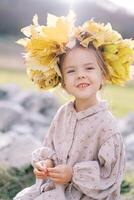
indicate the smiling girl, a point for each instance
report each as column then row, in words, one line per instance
column 82, row 157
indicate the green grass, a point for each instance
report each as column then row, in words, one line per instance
column 127, row 188
column 14, row 180
column 16, row 77
column 121, row 99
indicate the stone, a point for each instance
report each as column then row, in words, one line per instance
column 15, row 150
column 10, row 113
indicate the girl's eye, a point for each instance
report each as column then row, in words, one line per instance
column 70, row 71
column 90, row 68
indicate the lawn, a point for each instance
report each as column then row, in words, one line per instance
column 121, row 99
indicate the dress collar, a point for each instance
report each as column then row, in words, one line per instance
column 101, row 105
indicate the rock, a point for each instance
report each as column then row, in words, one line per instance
column 35, row 119
column 127, row 124
column 25, row 119
column 16, row 149
column 20, row 129
column 127, row 129
column 8, row 91
column 11, row 113
column 5, row 140
column 42, row 102
column 3, row 94
column 40, row 132
column 129, row 143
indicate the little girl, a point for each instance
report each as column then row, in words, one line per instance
column 82, row 157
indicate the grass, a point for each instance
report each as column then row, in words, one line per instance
column 16, row 77
column 14, row 180
column 127, row 189
column 121, row 99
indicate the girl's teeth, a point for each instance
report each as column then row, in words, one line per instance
column 83, row 85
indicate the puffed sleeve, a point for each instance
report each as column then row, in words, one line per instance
column 103, row 176
column 47, row 151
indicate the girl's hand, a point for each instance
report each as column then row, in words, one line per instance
column 40, row 169
column 60, row 174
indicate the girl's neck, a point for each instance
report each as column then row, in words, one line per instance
column 83, row 104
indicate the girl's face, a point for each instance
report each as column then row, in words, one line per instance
column 81, row 73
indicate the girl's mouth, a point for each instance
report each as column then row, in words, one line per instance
column 83, row 85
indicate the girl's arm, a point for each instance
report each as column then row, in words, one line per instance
column 98, row 178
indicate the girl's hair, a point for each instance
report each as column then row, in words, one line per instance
column 98, row 53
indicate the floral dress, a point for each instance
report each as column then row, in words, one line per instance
column 89, row 141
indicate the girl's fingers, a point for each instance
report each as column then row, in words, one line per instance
column 38, row 173
column 45, row 170
column 39, row 166
column 53, row 170
column 53, row 175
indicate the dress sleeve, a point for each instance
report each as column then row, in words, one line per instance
column 47, row 151
column 98, row 178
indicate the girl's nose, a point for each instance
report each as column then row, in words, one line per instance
column 81, row 75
